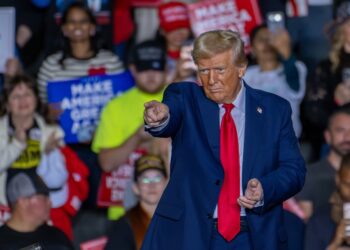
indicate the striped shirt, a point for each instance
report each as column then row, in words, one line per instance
column 105, row 62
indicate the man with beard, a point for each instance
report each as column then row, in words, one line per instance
column 320, row 178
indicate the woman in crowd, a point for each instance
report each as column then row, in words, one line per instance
column 330, row 86
column 25, row 134
column 150, row 179
column 277, row 70
column 81, row 53
column 28, row 142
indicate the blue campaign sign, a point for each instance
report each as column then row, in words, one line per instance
column 81, row 101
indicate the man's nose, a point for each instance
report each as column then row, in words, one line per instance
column 211, row 77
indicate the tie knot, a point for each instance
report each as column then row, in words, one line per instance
column 228, row 107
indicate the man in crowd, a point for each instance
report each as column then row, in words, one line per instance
column 320, row 179
column 227, row 181
column 120, row 131
column 150, row 179
column 28, row 197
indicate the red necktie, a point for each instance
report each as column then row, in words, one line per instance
column 228, row 208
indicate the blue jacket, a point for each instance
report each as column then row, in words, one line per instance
column 183, row 218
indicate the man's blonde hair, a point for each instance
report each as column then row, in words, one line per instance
column 215, row 42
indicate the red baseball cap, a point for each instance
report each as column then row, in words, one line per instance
column 173, row 15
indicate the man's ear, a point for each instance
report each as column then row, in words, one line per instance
column 241, row 71
column 132, row 69
column 135, row 189
column 327, row 136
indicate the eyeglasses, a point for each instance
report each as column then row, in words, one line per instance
column 149, row 180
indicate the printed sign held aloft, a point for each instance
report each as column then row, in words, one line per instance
column 81, row 101
column 237, row 15
column 7, row 35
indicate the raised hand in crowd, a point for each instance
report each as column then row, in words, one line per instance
column 281, row 42
column 12, row 67
column 52, row 143
column 54, row 111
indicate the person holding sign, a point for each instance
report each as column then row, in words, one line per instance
column 120, row 131
column 235, row 157
column 81, row 54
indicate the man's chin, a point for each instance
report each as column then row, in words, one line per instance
column 215, row 98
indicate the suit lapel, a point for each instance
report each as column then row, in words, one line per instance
column 209, row 112
column 253, row 133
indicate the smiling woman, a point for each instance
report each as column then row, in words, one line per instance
column 25, row 134
column 81, row 53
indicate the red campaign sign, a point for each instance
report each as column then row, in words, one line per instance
column 238, row 15
column 112, row 185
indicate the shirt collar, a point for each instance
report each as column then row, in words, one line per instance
column 239, row 101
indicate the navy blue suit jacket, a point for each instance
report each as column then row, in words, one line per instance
column 183, row 218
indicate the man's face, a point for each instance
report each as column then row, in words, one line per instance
column 150, row 186
column 220, row 77
column 150, row 81
column 176, row 37
column 338, row 134
column 41, row 206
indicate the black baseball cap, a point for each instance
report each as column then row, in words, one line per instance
column 149, row 55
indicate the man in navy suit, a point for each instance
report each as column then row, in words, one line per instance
column 269, row 167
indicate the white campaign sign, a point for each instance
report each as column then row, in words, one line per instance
column 7, row 35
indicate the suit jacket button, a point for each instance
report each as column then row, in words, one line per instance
column 217, row 182
column 209, row 216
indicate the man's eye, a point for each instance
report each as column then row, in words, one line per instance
column 203, row 71
column 220, row 70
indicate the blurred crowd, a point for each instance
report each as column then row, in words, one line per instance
column 47, row 184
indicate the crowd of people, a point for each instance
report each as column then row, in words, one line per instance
column 46, row 181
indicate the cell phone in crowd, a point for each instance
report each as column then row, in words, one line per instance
column 275, row 21
column 346, row 76
column 346, row 216
column 185, row 54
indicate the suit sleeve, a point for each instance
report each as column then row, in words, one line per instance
column 173, row 99
column 288, row 178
